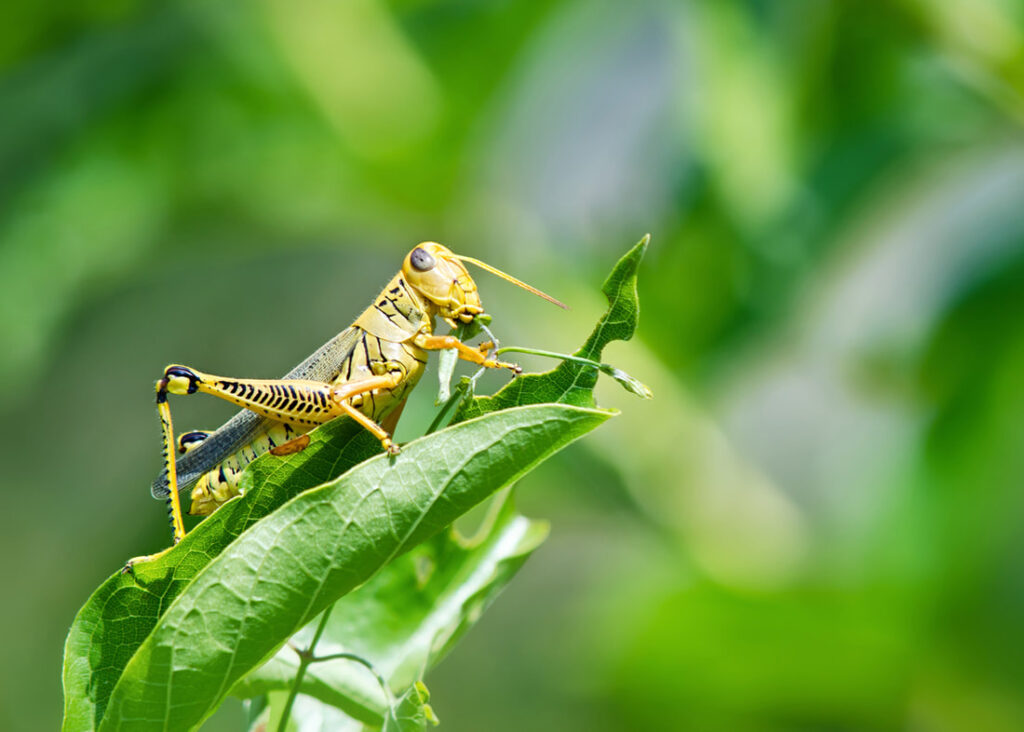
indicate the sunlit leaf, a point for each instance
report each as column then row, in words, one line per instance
column 406, row 617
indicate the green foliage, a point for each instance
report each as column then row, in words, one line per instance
column 407, row 617
column 816, row 525
column 162, row 646
column 412, row 713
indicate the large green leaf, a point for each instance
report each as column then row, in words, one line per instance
column 316, row 548
column 406, row 617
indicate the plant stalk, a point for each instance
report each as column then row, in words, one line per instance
column 305, row 658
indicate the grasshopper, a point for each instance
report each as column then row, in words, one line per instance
column 365, row 373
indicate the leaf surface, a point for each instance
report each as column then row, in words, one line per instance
column 406, row 618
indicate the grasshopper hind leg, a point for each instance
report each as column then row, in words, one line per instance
column 298, row 404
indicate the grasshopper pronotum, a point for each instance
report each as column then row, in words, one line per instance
column 365, row 373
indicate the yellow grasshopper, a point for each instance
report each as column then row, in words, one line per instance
column 365, row 373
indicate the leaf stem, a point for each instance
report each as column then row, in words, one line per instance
column 305, row 658
column 625, row 380
column 362, row 662
column 549, row 354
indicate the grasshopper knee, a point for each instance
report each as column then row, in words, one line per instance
column 179, row 380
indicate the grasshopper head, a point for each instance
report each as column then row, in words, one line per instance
column 433, row 271
column 439, row 275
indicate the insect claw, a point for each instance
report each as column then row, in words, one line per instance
column 129, row 566
column 515, row 368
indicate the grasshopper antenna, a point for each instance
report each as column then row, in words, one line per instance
column 513, row 280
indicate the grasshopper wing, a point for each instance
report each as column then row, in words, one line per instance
column 323, row 365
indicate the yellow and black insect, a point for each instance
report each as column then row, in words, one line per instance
column 365, row 373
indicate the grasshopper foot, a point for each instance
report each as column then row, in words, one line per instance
column 515, row 368
column 129, row 566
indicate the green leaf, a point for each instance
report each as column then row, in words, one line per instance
column 308, row 715
column 316, row 548
column 407, row 617
column 570, row 382
column 123, row 611
column 412, row 713
column 446, row 361
column 627, row 382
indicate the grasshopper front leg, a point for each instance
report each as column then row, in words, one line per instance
column 478, row 356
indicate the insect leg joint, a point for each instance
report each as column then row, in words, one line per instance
column 179, row 380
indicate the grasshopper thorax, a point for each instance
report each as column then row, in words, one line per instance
column 437, row 276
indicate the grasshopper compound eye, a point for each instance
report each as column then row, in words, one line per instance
column 421, row 260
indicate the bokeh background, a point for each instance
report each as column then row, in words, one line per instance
column 817, row 524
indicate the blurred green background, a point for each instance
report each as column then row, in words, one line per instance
column 817, row 524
